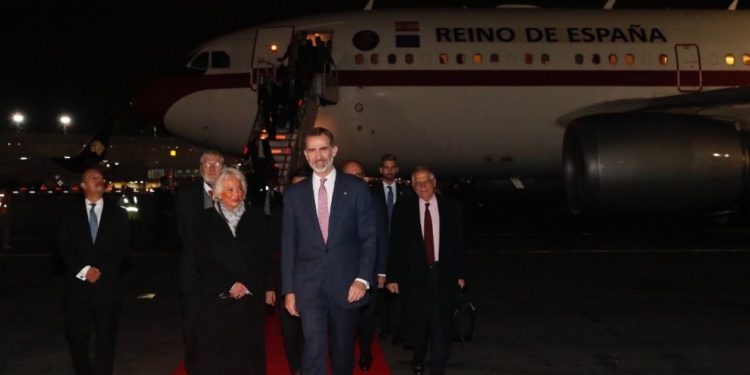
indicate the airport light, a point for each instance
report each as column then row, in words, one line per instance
column 18, row 120
column 65, row 121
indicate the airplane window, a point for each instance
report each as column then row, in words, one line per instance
column 477, row 59
column 409, row 58
column 200, row 62
column 374, row 58
column 630, row 59
column 460, row 58
column 579, row 59
column 220, row 59
column 366, row 40
column 746, row 59
column 729, row 58
column 545, row 59
column 495, row 59
column 391, row 59
column 663, row 59
column 359, row 59
column 443, row 58
column 613, row 59
column 596, row 59
column 528, row 59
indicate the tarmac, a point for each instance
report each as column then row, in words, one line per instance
column 554, row 294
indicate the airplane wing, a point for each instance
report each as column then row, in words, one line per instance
column 731, row 103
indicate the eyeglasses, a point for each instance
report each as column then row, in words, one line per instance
column 212, row 164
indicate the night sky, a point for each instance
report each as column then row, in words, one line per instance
column 87, row 58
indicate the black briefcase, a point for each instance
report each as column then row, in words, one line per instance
column 463, row 318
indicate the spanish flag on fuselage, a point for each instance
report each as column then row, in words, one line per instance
column 407, row 34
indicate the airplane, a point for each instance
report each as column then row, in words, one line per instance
column 642, row 112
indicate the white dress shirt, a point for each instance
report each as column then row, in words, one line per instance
column 98, row 212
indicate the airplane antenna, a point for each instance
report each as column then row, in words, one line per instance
column 733, row 5
column 369, row 5
column 610, row 4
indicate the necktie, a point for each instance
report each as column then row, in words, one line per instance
column 429, row 242
column 323, row 209
column 93, row 223
column 210, row 193
column 389, row 202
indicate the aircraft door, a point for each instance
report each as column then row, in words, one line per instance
column 689, row 77
column 270, row 44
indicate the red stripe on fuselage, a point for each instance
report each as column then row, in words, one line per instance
column 156, row 100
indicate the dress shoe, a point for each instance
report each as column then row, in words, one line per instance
column 417, row 367
column 397, row 339
column 365, row 362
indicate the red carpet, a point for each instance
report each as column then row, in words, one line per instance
column 276, row 363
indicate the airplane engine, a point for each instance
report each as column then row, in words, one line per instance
column 654, row 164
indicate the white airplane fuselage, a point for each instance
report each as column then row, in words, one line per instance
column 497, row 107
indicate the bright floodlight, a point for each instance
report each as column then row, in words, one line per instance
column 17, row 118
column 65, row 120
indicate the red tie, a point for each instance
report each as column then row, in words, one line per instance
column 429, row 243
column 211, row 193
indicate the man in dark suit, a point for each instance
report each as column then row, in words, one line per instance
column 427, row 267
column 327, row 256
column 93, row 241
column 261, row 156
column 191, row 201
column 367, row 314
column 386, row 194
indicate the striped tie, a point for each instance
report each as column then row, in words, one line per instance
column 323, row 209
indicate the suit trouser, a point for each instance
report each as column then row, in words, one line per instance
column 291, row 329
column 80, row 315
column 322, row 317
column 433, row 331
column 367, row 322
column 189, row 306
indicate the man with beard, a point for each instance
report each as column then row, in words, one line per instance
column 327, row 256
column 191, row 201
column 386, row 194
column 93, row 241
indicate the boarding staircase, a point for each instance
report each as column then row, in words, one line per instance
column 287, row 147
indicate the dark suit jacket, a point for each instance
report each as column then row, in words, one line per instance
column 380, row 201
column 189, row 205
column 407, row 265
column 307, row 261
column 106, row 254
column 229, row 332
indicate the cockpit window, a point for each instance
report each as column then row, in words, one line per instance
column 220, row 59
column 200, row 62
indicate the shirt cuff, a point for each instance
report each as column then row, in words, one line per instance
column 367, row 285
column 381, row 274
column 82, row 275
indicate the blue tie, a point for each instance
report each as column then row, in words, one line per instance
column 93, row 223
column 389, row 202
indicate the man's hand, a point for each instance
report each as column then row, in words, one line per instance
column 461, row 283
column 271, row 298
column 381, row 281
column 290, row 304
column 93, row 275
column 238, row 290
column 393, row 287
column 356, row 291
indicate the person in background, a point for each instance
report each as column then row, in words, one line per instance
column 234, row 263
column 367, row 320
column 427, row 267
column 191, row 201
column 93, row 242
column 164, row 215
